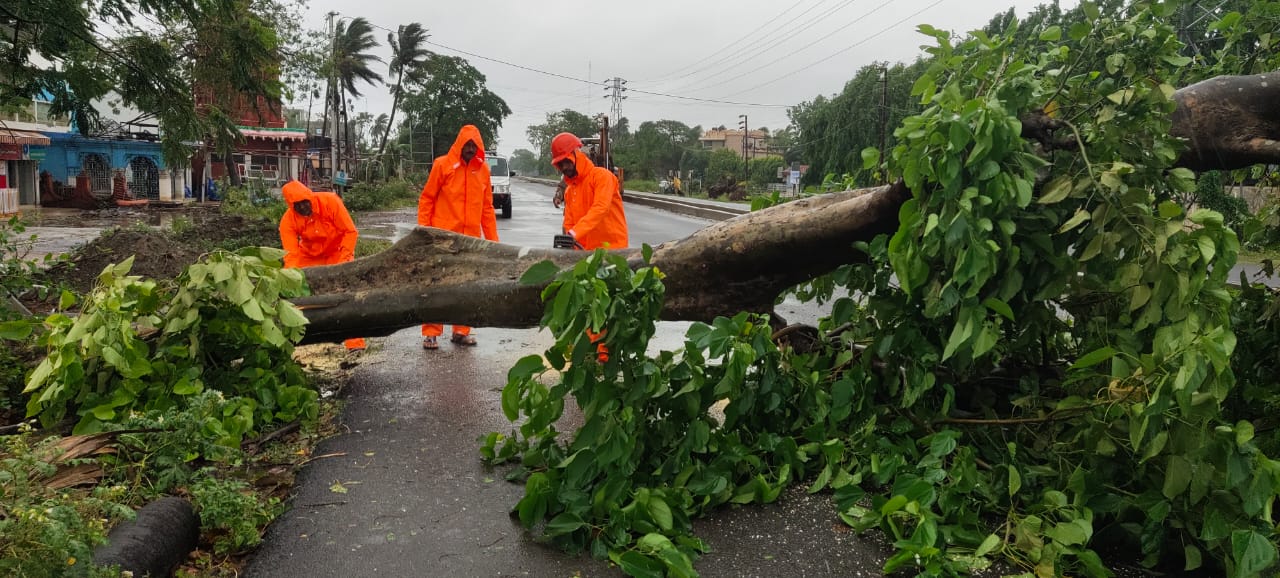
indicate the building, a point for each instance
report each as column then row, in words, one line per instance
column 270, row 153
column 733, row 139
column 23, row 144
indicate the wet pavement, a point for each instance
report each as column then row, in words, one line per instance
column 406, row 494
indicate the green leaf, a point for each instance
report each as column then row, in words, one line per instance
column 1169, row 210
column 1094, row 357
column 1206, row 247
column 646, row 251
column 540, row 273
column 66, row 300
column 526, row 368
column 1055, row 191
column 1193, row 557
column 1252, row 553
column 1080, row 216
column 290, row 316
column 1015, row 480
column 1051, row 34
column 1068, row 533
column 959, row 336
column 999, row 306
column 15, row 330
column 338, row 488
column 1178, row 61
column 870, row 158
column 564, row 523
column 660, row 512
column 988, row 545
column 638, row 565
column 1177, row 477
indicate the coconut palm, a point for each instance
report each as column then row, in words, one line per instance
column 350, row 62
column 407, row 56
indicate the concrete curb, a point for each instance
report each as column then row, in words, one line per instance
column 161, row 536
column 691, row 207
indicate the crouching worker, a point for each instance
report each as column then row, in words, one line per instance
column 316, row 229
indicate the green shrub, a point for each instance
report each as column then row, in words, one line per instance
column 44, row 532
column 232, row 512
column 381, row 196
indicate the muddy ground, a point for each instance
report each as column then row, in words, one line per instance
column 162, row 242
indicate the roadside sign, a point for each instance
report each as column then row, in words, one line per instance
column 793, row 178
column 36, row 153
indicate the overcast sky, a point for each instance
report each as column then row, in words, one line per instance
column 749, row 52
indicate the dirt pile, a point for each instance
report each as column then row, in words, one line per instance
column 162, row 254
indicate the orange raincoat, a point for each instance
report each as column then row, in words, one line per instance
column 459, row 198
column 593, row 208
column 325, row 237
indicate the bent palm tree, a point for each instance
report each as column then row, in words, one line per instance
column 350, row 61
column 407, row 56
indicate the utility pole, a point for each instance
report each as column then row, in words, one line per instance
column 746, row 168
column 884, row 111
column 332, row 98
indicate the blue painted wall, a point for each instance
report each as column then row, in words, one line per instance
column 66, row 152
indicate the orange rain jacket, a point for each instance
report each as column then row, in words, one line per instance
column 327, row 237
column 459, row 198
column 593, row 208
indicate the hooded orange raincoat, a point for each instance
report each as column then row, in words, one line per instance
column 593, row 211
column 325, row 237
column 459, row 198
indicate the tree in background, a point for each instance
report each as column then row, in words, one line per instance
column 724, row 164
column 834, row 130
column 408, row 54
column 450, row 93
column 525, row 162
column 567, row 120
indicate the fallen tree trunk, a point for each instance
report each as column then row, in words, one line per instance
column 741, row 264
column 737, row 265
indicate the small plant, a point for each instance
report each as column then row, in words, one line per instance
column 137, row 347
column 232, row 512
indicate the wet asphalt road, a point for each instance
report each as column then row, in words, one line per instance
column 419, row 502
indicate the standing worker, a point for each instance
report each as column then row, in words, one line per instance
column 593, row 213
column 458, row 198
column 316, row 229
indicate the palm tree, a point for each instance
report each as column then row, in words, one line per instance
column 407, row 57
column 351, row 62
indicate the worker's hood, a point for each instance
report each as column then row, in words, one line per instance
column 295, row 191
column 583, row 165
column 468, row 133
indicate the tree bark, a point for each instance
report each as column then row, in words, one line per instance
column 737, row 265
column 1230, row 122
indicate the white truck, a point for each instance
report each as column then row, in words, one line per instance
column 500, row 179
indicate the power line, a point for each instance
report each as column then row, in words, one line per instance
column 793, row 53
column 785, row 32
column 651, row 93
column 710, row 100
column 841, row 51
column 732, row 44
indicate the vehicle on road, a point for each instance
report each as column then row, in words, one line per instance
column 500, row 180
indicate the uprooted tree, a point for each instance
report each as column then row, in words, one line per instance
column 1032, row 350
column 738, row 265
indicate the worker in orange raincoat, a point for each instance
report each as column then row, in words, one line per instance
column 593, row 213
column 316, row 229
column 458, row 198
